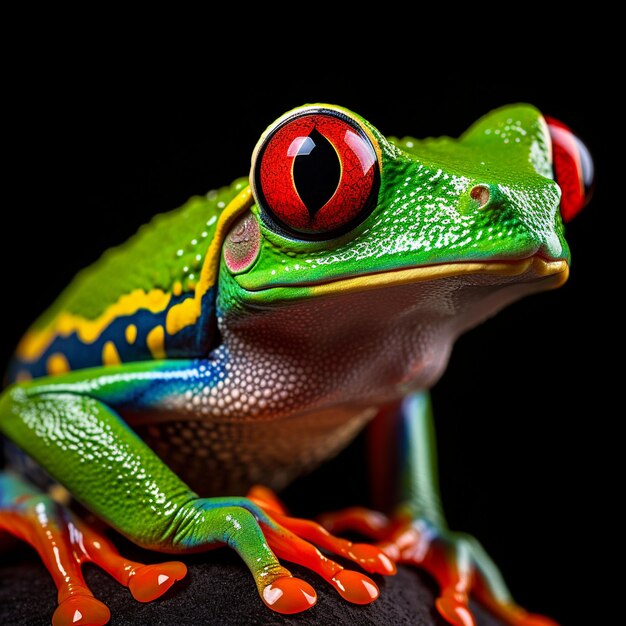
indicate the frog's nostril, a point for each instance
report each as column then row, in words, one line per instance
column 481, row 194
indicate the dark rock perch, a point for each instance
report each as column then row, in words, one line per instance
column 219, row 591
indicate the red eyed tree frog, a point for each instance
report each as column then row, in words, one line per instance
column 186, row 376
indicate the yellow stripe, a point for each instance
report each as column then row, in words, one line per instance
column 110, row 355
column 181, row 315
column 156, row 342
column 131, row 334
column 433, row 272
column 188, row 311
column 57, row 364
column 35, row 342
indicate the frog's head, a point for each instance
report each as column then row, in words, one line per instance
column 340, row 208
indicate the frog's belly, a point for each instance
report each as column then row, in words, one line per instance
column 226, row 458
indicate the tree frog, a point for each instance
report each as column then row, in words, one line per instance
column 243, row 339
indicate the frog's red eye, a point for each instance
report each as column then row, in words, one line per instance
column 573, row 168
column 316, row 173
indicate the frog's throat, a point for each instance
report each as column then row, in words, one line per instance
column 547, row 274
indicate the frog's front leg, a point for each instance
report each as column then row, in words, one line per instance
column 69, row 426
column 417, row 533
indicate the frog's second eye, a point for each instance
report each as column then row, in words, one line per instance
column 573, row 168
column 316, row 173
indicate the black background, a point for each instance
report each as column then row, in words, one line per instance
column 96, row 147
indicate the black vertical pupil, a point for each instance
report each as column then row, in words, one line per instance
column 316, row 172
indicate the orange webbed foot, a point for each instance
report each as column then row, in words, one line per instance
column 456, row 561
column 300, row 540
column 65, row 543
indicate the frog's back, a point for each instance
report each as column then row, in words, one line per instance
column 126, row 305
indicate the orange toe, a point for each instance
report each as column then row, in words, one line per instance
column 289, row 595
column 152, row 581
column 355, row 587
column 372, row 559
column 454, row 612
column 81, row 611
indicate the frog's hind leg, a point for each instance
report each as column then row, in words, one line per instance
column 64, row 543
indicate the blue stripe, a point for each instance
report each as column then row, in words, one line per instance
column 194, row 341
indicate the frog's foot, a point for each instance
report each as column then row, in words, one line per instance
column 456, row 561
column 64, row 543
column 298, row 540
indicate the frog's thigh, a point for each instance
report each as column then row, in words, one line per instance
column 85, row 445
column 68, row 424
column 89, row 449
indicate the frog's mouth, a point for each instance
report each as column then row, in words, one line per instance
column 548, row 274
column 553, row 273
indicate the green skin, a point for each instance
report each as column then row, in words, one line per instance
column 76, row 425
